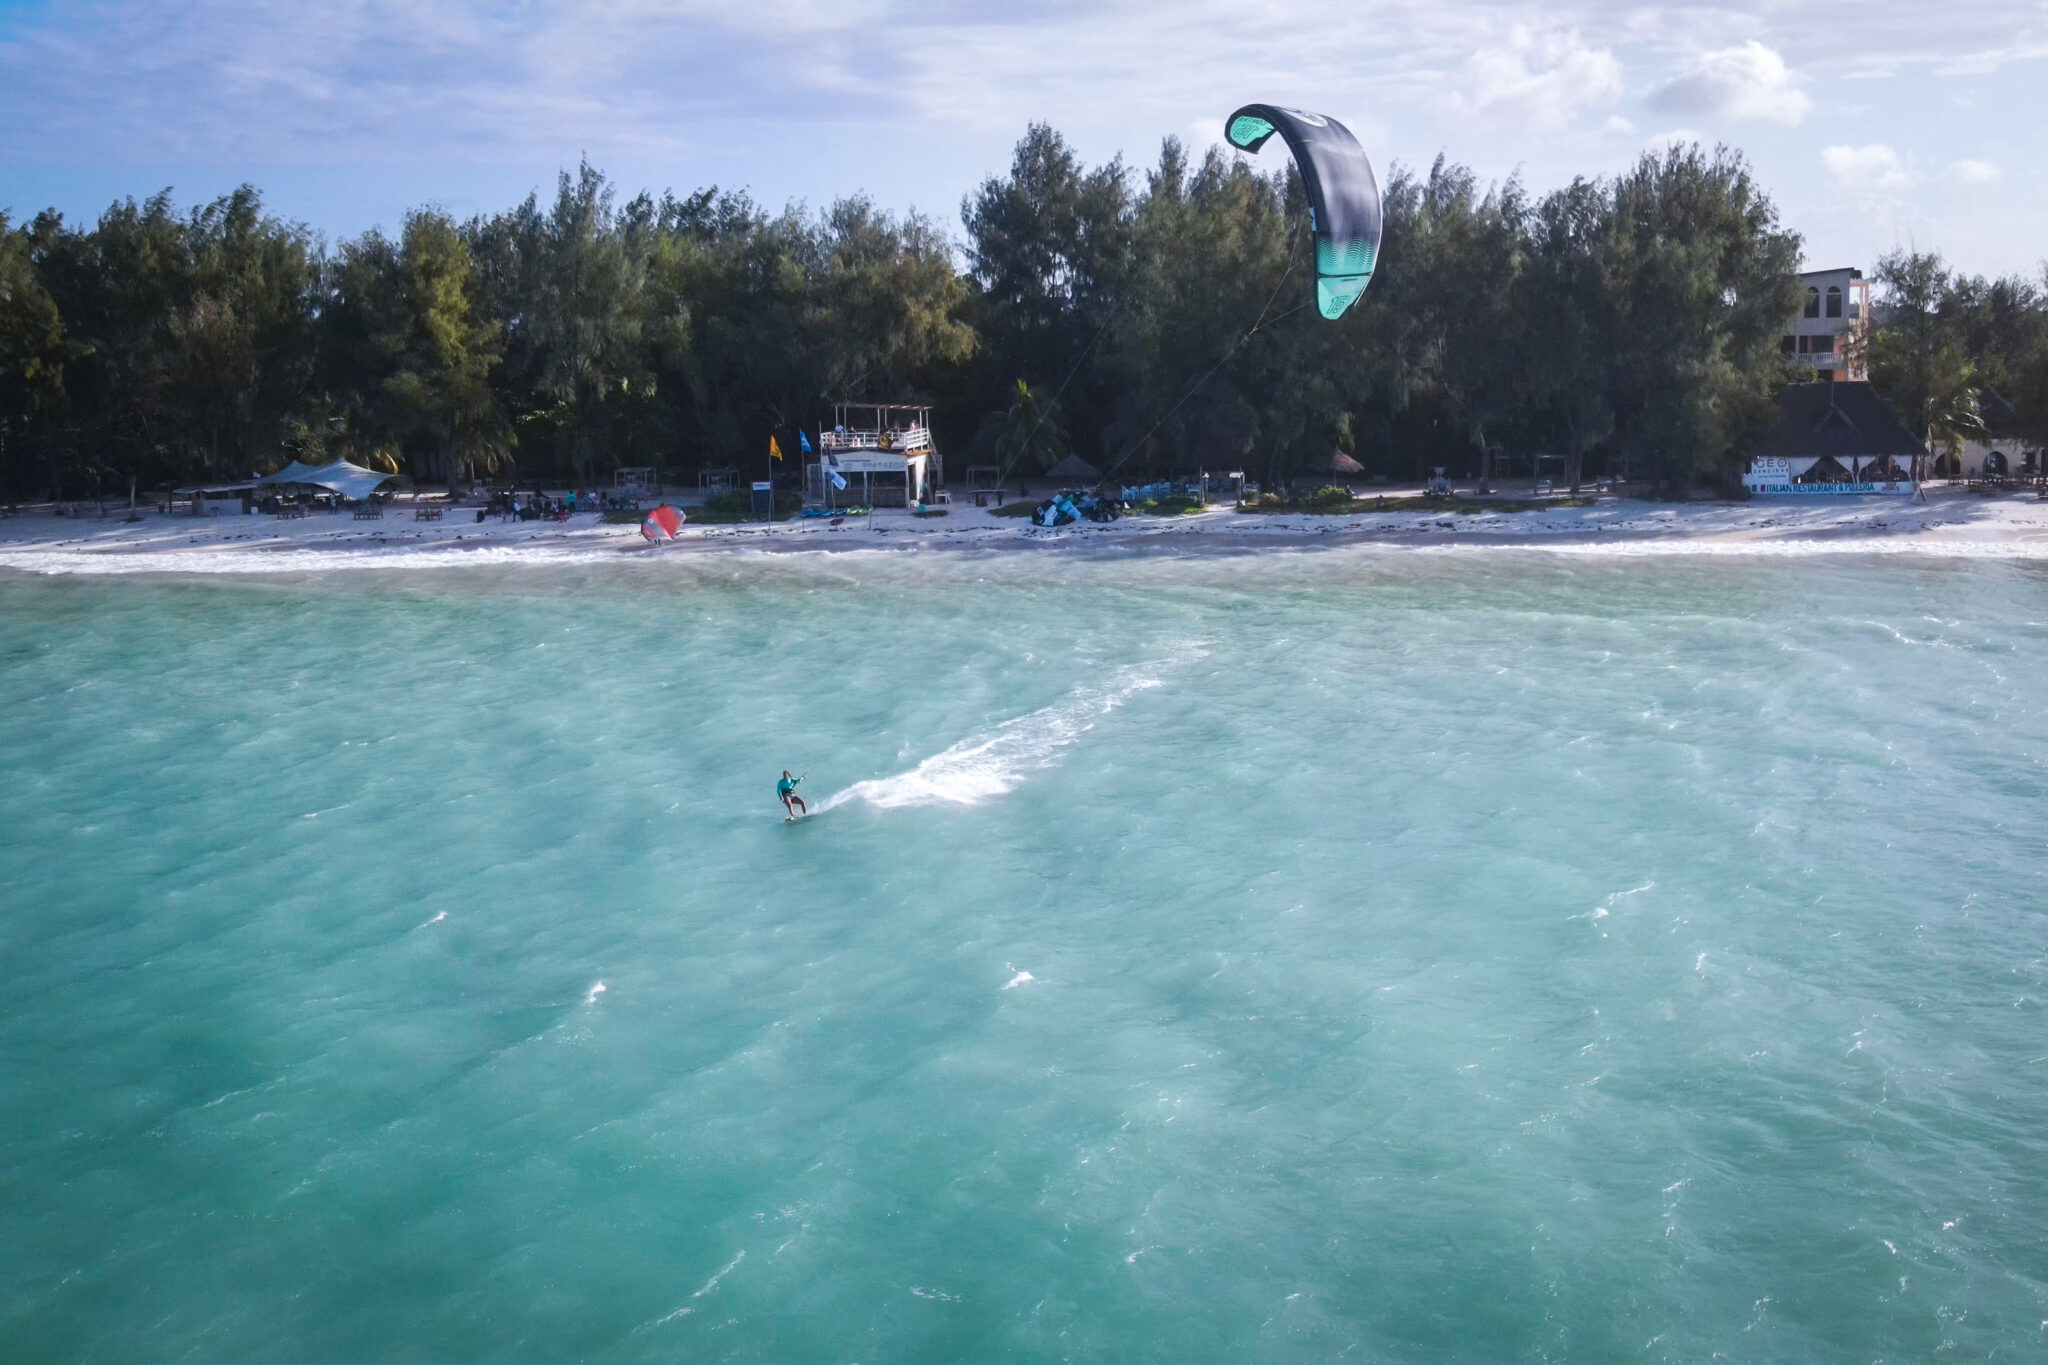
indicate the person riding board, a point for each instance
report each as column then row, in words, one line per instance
column 791, row 802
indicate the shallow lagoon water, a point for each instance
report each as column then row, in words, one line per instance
column 1363, row 954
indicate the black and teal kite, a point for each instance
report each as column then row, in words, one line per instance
column 1343, row 196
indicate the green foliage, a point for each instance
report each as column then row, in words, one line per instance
column 724, row 507
column 1946, row 343
column 581, row 335
column 738, row 506
column 1920, row 357
column 410, row 355
column 1702, row 283
column 1152, row 322
column 1636, row 318
column 2029, row 391
column 190, row 344
column 32, row 349
column 1031, row 434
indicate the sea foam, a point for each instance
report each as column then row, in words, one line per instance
column 996, row 761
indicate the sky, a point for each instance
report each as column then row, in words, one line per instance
column 1873, row 124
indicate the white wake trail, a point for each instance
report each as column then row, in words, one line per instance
column 996, row 761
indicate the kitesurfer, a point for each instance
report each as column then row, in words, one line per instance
column 791, row 802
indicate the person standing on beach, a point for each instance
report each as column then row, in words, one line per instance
column 791, row 802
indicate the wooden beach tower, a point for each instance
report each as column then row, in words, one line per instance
column 883, row 454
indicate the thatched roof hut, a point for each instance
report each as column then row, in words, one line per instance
column 1074, row 469
column 1339, row 463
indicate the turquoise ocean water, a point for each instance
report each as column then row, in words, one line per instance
column 1364, row 955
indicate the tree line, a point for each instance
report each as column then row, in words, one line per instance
column 1148, row 321
column 1959, row 355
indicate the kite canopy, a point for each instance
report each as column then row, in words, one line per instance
column 338, row 476
column 1343, row 195
column 662, row 521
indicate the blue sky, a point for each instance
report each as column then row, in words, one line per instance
column 1873, row 124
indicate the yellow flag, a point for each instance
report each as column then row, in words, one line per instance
column 774, row 450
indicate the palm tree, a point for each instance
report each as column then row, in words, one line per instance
column 1032, row 430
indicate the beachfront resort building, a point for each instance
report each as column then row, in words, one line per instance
column 1836, row 438
column 1833, row 322
column 2000, row 452
column 875, row 455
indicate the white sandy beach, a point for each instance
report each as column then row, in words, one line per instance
column 1950, row 522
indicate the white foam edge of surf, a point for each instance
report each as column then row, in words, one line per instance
column 246, row 561
column 257, row 560
column 1900, row 547
column 996, row 761
column 252, row 561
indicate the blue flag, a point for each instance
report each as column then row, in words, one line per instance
column 803, row 440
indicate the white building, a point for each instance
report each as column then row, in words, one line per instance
column 1832, row 325
column 875, row 455
column 2000, row 452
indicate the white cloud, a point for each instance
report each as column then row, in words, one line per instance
column 357, row 106
column 1873, row 168
column 1671, row 137
column 1539, row 80
column 1747, row 82
column 1970, row 171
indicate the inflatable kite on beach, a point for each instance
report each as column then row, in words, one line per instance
column 1343, row 196
column 663, row 521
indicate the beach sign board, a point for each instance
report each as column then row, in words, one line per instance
column 1770, row 477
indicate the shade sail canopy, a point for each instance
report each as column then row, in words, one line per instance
column 1073, row 467
column 349, row 480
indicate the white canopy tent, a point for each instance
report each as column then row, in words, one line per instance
column 349, row 480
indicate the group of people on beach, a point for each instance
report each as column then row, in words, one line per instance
column 537, row 506
column 510, row 504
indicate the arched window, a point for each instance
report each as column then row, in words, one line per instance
column 1812, row 302
column 1834, row 300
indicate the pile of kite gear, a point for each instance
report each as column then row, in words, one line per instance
column 1063, row 509
column 1141, row 494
